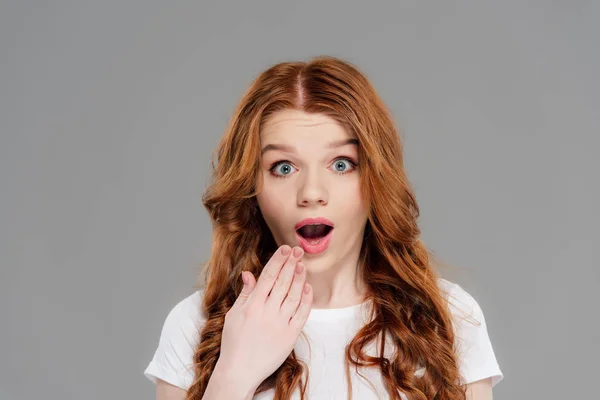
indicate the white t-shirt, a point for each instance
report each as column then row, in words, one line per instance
column 329, row 331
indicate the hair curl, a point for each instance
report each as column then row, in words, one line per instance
column 408, row 309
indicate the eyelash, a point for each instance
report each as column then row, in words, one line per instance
column 277, row 163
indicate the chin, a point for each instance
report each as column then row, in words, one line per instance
column 315, row 264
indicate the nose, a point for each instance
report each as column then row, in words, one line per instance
column 313, row 190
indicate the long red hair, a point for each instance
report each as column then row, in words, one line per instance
column 408, row 308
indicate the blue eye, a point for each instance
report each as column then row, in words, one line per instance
column 339, row 165
column 284, row 168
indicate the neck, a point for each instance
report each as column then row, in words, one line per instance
column 339, row 285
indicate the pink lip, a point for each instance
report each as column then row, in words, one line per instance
column 317, row 220
column 316, row 248
column 322, row 244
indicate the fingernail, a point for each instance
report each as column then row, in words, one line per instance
column 297, row 252
column 244, row 278
column 285, row 250
column 306, row 288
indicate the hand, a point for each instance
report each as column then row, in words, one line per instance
column 263, row 325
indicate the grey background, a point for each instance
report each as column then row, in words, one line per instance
column 110, row 110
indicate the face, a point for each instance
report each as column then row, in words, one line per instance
column 309, row 169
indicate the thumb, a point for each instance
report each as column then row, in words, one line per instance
column 249, row 284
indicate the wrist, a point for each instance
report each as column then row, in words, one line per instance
column 231, row 383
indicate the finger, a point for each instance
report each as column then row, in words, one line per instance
column 249, row 284
column 284, row 280
column 291, row 302
column 270, row 272
column 299, row 318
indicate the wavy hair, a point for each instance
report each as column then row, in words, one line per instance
column 408, row 309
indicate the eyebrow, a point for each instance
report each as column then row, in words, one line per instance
column 290, row 149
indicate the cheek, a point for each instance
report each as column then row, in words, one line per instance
column 348, row 199
column 272, row 203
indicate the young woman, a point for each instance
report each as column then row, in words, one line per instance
column 318, row 285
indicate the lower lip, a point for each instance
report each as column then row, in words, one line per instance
column 316, row 248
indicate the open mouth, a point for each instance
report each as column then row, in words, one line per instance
column 313, row 233
column 314, row 238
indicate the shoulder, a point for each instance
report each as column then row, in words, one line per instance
column 179, row 336
column 187, row 313
column 475, row 353
column 461, row 303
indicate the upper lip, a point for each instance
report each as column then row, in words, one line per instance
column 316, row 220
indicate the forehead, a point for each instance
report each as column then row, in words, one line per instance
column 297, row 124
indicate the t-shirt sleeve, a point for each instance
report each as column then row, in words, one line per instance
column 476, row 357
column 173, row 359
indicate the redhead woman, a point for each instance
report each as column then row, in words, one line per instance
column 318, row 285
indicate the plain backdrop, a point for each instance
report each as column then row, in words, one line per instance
column 110, row 110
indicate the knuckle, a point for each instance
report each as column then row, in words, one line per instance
column 250, row 311
column 281, row 283
column 270, row 276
